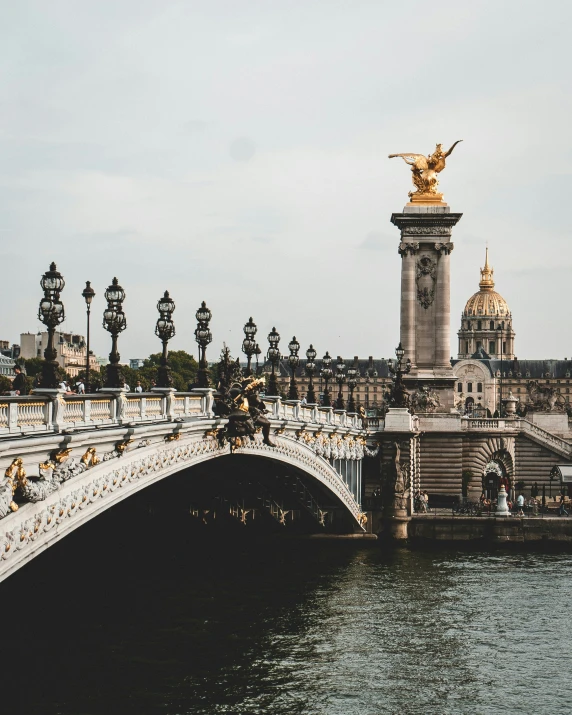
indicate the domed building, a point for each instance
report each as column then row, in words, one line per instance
column 486, row 322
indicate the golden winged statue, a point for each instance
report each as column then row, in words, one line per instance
column 424, row 171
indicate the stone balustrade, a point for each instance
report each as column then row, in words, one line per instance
column 60, row 412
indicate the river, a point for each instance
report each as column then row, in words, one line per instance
column 173, row 624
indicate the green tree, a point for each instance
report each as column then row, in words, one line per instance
column 184, row 368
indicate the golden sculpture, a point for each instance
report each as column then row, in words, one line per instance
column 424, row 170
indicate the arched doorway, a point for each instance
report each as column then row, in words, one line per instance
column 494, row 474
column 469, row 405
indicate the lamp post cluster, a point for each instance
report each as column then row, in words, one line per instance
column 51, row 313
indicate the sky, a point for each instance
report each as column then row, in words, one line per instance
column 236, row 151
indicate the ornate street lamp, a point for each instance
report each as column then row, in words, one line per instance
column 340, row 379
column 398, row 396
column 326, row 374
column 114, row 322
column 249, row 344
column 310, row 370
column 165, row 330
column 88, row 295
column 293, row 362
column 51, row 313
column 274, row 357
column 352, row 373
column 203, row 337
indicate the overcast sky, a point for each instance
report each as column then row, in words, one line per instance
column 236, row 152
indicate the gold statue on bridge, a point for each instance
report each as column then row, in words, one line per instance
column 424, row 171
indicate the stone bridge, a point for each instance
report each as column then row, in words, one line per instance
column 68, row 458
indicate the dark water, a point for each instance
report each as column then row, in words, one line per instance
column 178, row 623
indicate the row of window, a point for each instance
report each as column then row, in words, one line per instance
column 469, row 387
column 491, row 325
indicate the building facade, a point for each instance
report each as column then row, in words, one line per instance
column 71, row 350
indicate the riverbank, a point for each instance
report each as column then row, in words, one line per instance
column 430, row 529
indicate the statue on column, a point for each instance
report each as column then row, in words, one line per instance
column 424, row 170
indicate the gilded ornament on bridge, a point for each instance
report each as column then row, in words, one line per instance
column 90, row 459
column 424, row 170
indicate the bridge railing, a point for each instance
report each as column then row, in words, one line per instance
column 42, row 413
column 57, row 412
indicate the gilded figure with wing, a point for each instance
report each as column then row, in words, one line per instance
column 424, row 169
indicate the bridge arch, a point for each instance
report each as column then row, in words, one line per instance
column 38, row 525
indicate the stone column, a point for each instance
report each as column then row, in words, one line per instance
column 408, row 298
column 443, row 306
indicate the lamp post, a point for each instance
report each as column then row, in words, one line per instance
column 293, row 362
column 399, row 396
column 340, row 379
column 88, row 295
column 165, row 330
column 326, row 374
column 51, row 313
column 203, row 337
column 274, row 357
column 500, row 331
column 114, row 322
column 310, row 370
column 257, row 352
column 249, row 344
column 353, row 372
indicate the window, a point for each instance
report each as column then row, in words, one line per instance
column 479, row 345
column 469, row 386
column 467, row 346
column 492, row 325
column 459, row 387
column 479, row 386
column 479, row 325
column 491, row 347
column 518, row 389
column 504, row 347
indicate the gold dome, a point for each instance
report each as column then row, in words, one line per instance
column 487, row 302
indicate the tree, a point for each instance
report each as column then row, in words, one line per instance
column 184, row 368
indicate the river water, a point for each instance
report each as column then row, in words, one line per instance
column 171, row 625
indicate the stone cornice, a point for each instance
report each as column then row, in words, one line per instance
column 417, row 225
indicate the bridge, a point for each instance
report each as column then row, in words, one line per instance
column 68, row 458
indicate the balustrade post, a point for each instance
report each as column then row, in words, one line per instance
column 87, row 409
column 315, row 413
column 13, row 417
column 207, row 400
column 58, row 409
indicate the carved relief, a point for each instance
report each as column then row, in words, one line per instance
column 432, row 230
column 426, row 278
column 444, row 248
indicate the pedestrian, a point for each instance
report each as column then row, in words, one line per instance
column 304, row 401
column 534, row 490
column 127, row 388
column 426, row 501
column 562, row 511
column 520, row 504
column 63, row 386
column 19, row 386
column 138, row 387
column 80, row 387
